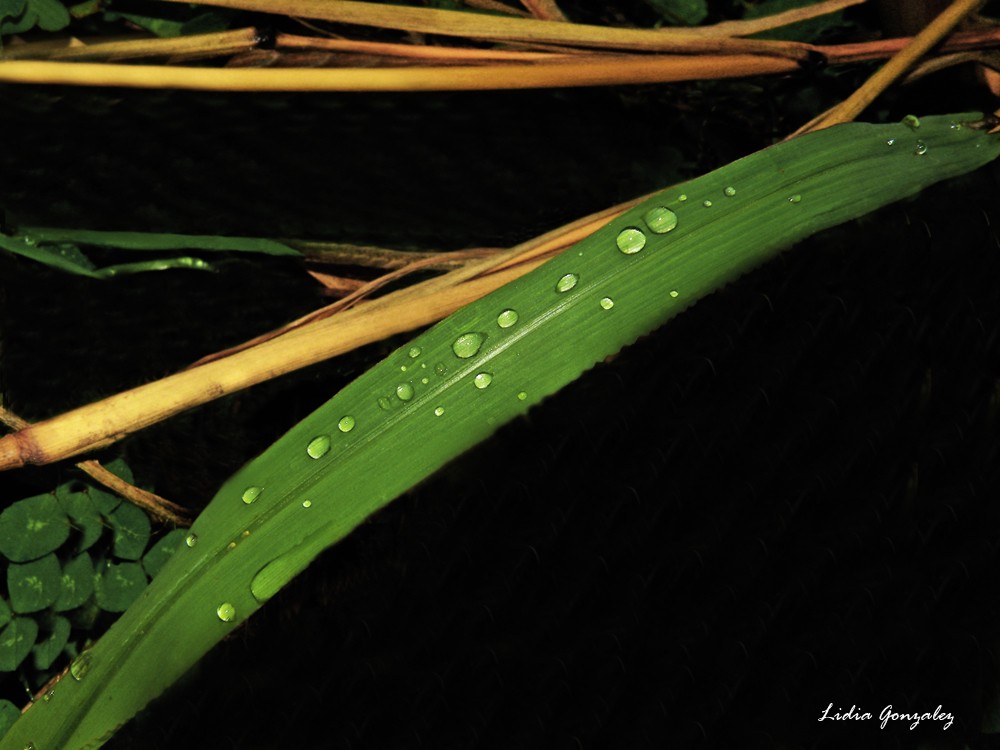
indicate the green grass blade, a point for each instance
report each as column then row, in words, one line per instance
column 156, row 241
column 455, row 384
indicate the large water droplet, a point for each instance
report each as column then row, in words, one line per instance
column 384, row 404
column 522, row 396
column 482, row 380
column 729, row 192
column 307, row 503
column 673, row 292
column 414, row 352
column 920, row 149
column 191, row 540
column 439, row 411
column 507, row 318
column 467, row 345
column 226, row 611
column 607, row 303
column 630, row 241
column 404, row 391
column 912, row 122
column 682, row 197
column 251, row 493
column 80, row 666
column 660, row 219
column 795, row 198
column 567, row 282
column 440, row 369
column 346, row 423
column 318, row 447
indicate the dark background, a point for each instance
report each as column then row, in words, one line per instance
column 786, row 498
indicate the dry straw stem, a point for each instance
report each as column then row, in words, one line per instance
column 184, row 47
column 150, row 502
column 546, row 10
column 897, row 66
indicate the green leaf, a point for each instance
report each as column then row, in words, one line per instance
column 11, row 8
column 34, row 585
column 32, row 527
column 157, row 242
column 5, row 613
column 47, row 651
column 803, row 31
column 118, row 585
column 105, row 502
column 64, row 257
column 76, row 583
column 16, row 640
column 83, row 513
column 162, row 551
column 120, row 469
column 9, row 713
column 52, row 14
column 680, row 12
column 131, row 527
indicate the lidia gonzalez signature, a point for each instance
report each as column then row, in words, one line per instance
column 888, row 715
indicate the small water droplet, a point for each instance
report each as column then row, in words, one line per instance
column 607, row 303
column 912, row 122
column 414, row 352
column 80, row 666
column 660, row 219
column 467, row 345
column 403, row 368
column 425, row 381
column 251, row 493
column 49, row 695
column 383, row 403
column 307, row 503
column 404, row 391
column 439, row 411
column 318, row 447
column 682, row 197
column 246, row 533
column 567, row 282
column 729, row 192
column 231, row 546
column 346, row 423
column 954, row 125
column 630, row 241
column 507, row 318
column 522, row 396
column 440, row 369
column 226, row 612
column 890, row 142
column 191, row 540
column 482, row 380
column 706, row 203
column 673, row 292
column 795, row 198
column 920, row 149
column 29, row 746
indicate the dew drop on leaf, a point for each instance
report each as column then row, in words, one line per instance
column 80, row 666
column 673, row 292
column 191, row 540
column 630, row 241
column 226, row 611
column 346, row 423
column 607, row 303
column 507, row 318
column 482, row 380
column 567, row 282
column 467, row 345
column 660, row 219
column 439, row 411
column 440, row 369
column 912, row 122
column 795, row 198
column 318, row 447
column 682, row 197
column 251, row 493
column 729, row 192
column 414, row 352
column 890, row 141
column 707, row 203
column 307, row 503
column 383, row 403
column 920, row 149
column 522, row 396
column 404, row 391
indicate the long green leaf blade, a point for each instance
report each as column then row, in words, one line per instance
column 456, row 383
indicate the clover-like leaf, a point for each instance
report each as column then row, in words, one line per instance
column 9, row 713
column 16, row 640
column 32, row 527
column 5, row 613
column 47, row 651
column 119, row 584
column 131, row 527
column 83, row 513
column 33, row 585
column 76, row 583
column 162, row 551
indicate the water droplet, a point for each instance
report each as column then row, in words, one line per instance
column 795, row 198
column 630, row 241
column 912, row 122
column 920, row 149
column 246, row 533
column 307, row 503
column 414, row 352
column 954, row 125
column 440, row 369
column 439, row 411
column 423, row 365
column 607, row 303
column 191, row 540
column 660, row 219
column 890, row 141
column 403, row 368
column 673, row 292
column 507, row 318
column 567, row 282
column 482, row 380
column 729, row 192
column 707, row 203
column 467, row 345
column 425, row 381
column 29, row 746
column 80, row 666
column 231, row 546
column 383, row 403
column 318, row 447
column 251, row 493
column 226, row 612
column 522, row 396
column 404, row 391
column 682, row 197
column 346, row 423
column 49, row 695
